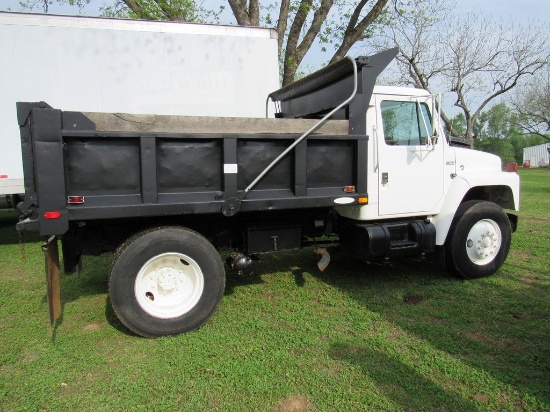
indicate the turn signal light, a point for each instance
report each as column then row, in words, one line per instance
column 349, row 189
column 52, row 215
column 363, row 200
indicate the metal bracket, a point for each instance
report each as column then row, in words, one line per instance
column 232, row 205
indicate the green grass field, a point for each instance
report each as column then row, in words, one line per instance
column 356, row 337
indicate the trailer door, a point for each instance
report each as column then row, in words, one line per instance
column 410, row 172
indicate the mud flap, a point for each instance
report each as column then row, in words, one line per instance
column 51, row 252
column 325, row 258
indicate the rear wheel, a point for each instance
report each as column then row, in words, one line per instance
column 479, row 240
column 166, row 281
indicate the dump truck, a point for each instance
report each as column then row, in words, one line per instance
column 130, row 66
column 345, row 166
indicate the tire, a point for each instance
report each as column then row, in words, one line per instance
column 166, row 281
column 479, row 240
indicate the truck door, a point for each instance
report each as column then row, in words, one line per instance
column 410, row 172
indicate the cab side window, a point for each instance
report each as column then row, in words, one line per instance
column 405, row 123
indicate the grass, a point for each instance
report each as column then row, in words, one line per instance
column 355, row 337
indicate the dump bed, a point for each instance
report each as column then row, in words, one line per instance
column 87, row 166
column 102, row 166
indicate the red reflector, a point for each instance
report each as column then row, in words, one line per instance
column 75, row 200
column 349, row 189
column 3, row 176
column 52, row 215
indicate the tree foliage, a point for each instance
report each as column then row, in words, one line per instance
column 300, row 22
column 45, row 4
column 498, row 131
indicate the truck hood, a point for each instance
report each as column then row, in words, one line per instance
column 468, row 161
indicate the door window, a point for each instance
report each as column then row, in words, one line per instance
column 405, row 123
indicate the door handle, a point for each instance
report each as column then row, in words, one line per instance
column 385, row 178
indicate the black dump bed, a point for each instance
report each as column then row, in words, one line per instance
column 87, row 166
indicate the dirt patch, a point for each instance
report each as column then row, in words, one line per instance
column 29, row 357
column 519, row 316
column 520, row 254
column 479, row 337
column 512, row 345
column 295, row 403
column 412, row 299
column 481, row 398
column 393, row 334
column 91, row 327
column 527, row 280
column 436, row 320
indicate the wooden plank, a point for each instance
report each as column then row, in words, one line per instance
column 53, row 277
column 143, row 123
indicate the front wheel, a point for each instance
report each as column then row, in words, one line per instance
column 479, row 240
column 166, row 281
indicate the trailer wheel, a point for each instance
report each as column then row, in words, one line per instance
column 479, row 240
column 166, row 281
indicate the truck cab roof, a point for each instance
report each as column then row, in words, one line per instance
column 400, row 91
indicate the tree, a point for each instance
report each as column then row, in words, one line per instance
column 469, row 56
column 45, row 4
column 498, row 131
column 457, row 125
column 532, row 103
column 300, row 23
column 174, row 10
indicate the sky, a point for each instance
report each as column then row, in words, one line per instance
column 522, row 10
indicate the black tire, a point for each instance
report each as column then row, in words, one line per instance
column 166, row 281
column 479, row 240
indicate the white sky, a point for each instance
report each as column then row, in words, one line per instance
column 522, row 10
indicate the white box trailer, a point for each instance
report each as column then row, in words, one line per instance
column 538, row 155
column 127, row 66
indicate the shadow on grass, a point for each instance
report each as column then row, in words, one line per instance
column 496, row 326
column 399, row 382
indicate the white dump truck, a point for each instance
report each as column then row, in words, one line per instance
column 145, row 67
column 345, row 166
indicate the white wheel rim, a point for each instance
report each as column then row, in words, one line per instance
column 169, row 285
column 483, row 242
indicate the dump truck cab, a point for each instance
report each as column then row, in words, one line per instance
column 415, row 171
